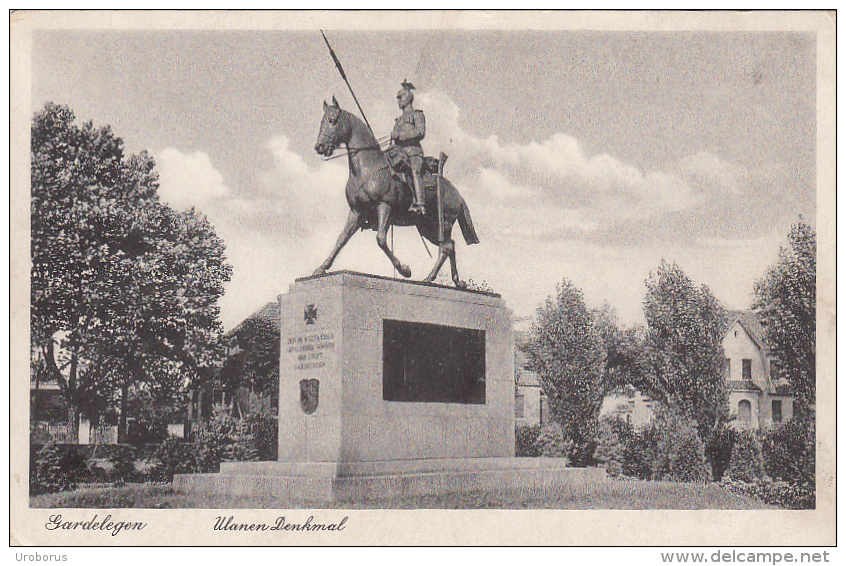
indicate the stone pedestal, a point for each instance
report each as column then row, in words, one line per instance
column 333, row 342
column 391, row 388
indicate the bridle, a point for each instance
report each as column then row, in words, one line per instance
column 343, row 115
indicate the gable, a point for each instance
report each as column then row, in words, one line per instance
column 738, row 340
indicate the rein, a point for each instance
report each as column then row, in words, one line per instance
column 355, row 150
column 380, row 142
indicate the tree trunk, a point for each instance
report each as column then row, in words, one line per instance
column 73, row 424
column 124, row 393
column 72, row 398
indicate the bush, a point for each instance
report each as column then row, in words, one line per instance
column 242, row 445
column 669, row 448
column 101, row 469
column 265, row 432
column 147, row 469
column 718, row 450
column 640, row 456
column 789, row 452
column 747, row 463
column 536, row 440
column 680, row 454
column 176, row 457
column 551, row 443
column 224, row 439
column 781, row 493
column 687, row 460
column 58, row 468
column 615, row 436
column 526, row 440
column 123, row 462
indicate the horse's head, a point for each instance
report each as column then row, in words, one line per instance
column 334, row 129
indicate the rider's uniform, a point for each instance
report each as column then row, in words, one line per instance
column 409, row 130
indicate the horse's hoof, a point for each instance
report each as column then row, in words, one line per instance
column 405, row 271
column 460, row 284
column 319, row 271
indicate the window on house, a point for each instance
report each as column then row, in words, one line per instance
column 518, row 406
column 728, row 368
column 744, row 411
column 747, row 370
column 777, row 418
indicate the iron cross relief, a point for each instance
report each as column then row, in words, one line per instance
column 310, row 314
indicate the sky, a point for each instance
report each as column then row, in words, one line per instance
column 589, row 156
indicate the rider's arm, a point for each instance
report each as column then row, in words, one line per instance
column 413, row 130
column 417, row 131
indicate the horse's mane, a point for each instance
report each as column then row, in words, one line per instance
column 361, row 128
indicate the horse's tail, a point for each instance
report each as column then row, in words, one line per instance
column 466, row 224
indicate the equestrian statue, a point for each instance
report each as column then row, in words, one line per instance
column 399, row 187
column 381, row 195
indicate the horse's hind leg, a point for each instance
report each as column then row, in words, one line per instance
column 442, row 255
column 384, row 214
column 454, row 267
column 443, row 252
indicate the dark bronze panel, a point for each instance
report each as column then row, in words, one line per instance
column 431, row 363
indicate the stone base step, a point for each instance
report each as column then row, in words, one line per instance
column 326, row 482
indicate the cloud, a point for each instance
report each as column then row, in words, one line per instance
column 553, row 173
column 604, row 199
column 187, row 180
column 292, row 198
column 276, row 228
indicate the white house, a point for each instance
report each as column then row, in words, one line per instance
column 637, row 410
column 529, row 399
column 757, row 396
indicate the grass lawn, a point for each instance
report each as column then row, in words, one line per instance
column 606, row 494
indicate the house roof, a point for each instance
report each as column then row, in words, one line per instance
column 749, row 321
column 269, row 312
column 744, row 385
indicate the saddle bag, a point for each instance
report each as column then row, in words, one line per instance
column 397, row 159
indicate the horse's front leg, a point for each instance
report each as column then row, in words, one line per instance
column 353, row 224
column 384, row 215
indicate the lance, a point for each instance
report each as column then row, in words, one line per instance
column 344, row 76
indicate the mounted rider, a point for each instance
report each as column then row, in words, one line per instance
column 409, row 130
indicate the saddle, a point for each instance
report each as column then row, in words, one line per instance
column 399, row 163
column 401, row 172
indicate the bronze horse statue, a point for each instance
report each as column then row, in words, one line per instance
column 378, row 200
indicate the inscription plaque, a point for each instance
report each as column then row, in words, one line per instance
column 431, row 363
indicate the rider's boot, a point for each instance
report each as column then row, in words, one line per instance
column 419, row 204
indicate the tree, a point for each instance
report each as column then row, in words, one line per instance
column 681, row 364
column 253, row 354
column 169, row 314
column 566, row 350
column 120, row 283
column 623, row 347
column 786, row 302
column 79, row 227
